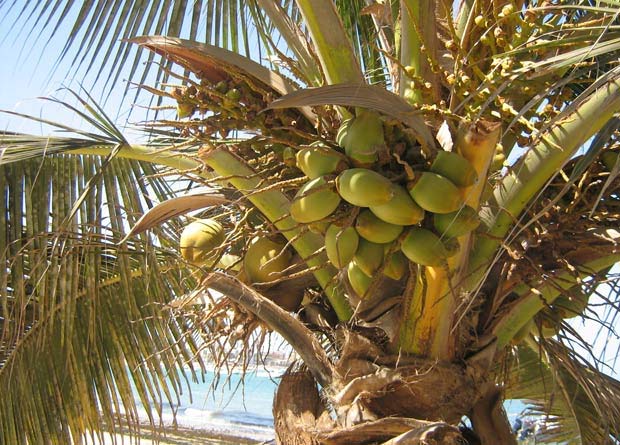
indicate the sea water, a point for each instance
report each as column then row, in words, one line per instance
column 231, row 406
column 227, row 405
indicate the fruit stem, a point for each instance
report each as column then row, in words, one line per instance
column 410, row 50
column 431, row 334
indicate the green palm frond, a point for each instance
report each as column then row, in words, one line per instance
column 87, row 309
column 574, row 399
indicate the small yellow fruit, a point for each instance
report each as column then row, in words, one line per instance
column 341, row 243
column 314, row 201
column 265, row 260
column 436, row 193
column 185, row 109
column 200, row 239
column 372, row 228
column 424, row 247
column 364, row 188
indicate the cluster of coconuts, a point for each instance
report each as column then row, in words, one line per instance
column 419, row 218
column 264, row 260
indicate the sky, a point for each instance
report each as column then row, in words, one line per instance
column 27, row 72
column 30, row 70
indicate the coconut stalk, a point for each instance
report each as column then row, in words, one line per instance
column 333, row 48
column 427, row 327
column 526, row 178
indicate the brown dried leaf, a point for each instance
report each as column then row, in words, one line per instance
column 372, row 97
column 215, row 64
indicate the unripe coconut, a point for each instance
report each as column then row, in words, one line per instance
column 341, row 243
column 317, row 160
column 372, row 228
column 395, row 264
column 362, row 138
column 360, row 282
column 457, row 223
column 400, row 210
column 364, row 188
column 369, row 257
column 435, row 193
column 200, row 239
column 265, row 260
column 314, row 201
column 456, row 168
column 424, row 247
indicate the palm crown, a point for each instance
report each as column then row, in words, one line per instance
column 432, row 193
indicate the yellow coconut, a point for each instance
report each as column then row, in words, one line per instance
column 200, row 240
column 424, row 247
column 372, row 228
column 369, row 256
column 314, row 201
column 454, row 167
column 395, row 264
column 319, row 160
column 457, row 223
column 401, row 210
column 435, row 193
column 360, row 282
column 364, row 188
column 341, row 243
column 362, row 138
column 265, row 260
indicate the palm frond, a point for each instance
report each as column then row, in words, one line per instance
column 72, row 299
column 574, row 399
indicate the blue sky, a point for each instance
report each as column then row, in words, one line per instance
column 30, row 70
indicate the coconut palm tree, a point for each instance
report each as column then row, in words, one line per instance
column 416, row 199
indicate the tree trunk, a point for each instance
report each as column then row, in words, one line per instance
column 298, row 410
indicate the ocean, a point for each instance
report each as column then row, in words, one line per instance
column 234, row 408
column 240, row 409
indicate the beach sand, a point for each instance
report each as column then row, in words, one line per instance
column 176, row 436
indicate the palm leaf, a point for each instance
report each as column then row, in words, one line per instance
column 74, row 300
column 575, row 400
column 82, row 306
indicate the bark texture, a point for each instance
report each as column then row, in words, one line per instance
column 298, row 410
